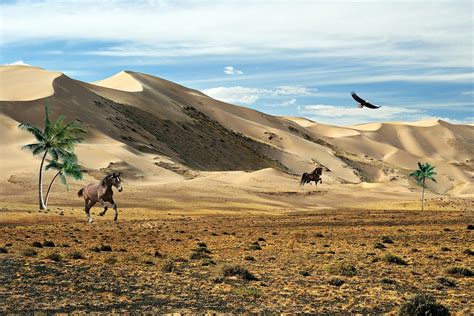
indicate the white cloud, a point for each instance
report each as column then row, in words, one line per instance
column 239, row 95
column 18, row 63
column 292, row 90
column 349, row 116
column 289, row 102
column 248, row 95
column 229, row 70
column 420, row 32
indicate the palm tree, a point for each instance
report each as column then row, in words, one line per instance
column 68, row 168
column 57, row 139
column 425, row 171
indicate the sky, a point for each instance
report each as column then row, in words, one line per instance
column 292, row 58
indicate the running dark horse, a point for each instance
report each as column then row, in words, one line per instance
column 101, row 192
column 313, row 176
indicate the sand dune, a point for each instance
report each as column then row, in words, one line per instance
column 159, row 133
column 25, row 83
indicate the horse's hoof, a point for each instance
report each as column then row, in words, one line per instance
column 101, row 214
column 90, row 220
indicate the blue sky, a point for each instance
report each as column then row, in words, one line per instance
column 299, row 58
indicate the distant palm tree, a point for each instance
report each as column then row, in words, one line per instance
column 68, row 168
column 425, row 171
column 57, row 139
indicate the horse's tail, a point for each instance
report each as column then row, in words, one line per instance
column 79, row 193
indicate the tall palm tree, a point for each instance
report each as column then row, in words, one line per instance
column 56, row 139
column 68, row 168
column 425, row 171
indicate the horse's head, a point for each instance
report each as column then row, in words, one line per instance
column 116, row 181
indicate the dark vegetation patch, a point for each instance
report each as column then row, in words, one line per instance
column 29, row 252
column 236, row 270
column 422, row 305
column 341, row 268
column 55, row 256
column 48, row 243
column 391, row 258
column 461, row 271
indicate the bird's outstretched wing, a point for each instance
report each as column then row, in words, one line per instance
column 357, row 98
column 363, row 102
column 370, row 105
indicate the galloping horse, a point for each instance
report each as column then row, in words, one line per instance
column 101, row 192
column 313, row 176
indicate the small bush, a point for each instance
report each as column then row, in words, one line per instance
column 447, row 282
column 208, row 262
column 388, row 281
column 249, row 258
column 318, row 235
column 37, row 244
column 468, row 252
column 389, row 258
column 3, row 250
column 261, row 239
column 255, row 247
column 342, row 268
column 202, row 244
column 168, row 267
column 304, row 273
column 379, row 245
column 244, row 273
column 76, row 255
column 105, row 248
column 421, row 305
column 54, row 256
column 158, row 254
column 462, row 271
column 336, row 282
column 445, row 249
column 29, row 252
column 470, row 227
column 387, row 240
column 111, row 260
column 95, row 249
column 48, row 243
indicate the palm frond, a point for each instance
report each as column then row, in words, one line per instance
column 37, row 133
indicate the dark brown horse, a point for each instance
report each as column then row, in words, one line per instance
column 101, row 192
column 313, row 176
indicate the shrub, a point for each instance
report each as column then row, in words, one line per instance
column 111, row 260
column 249, row 258
column 388, row 281
column 168, row 266
column 158, row 254
column 261, row 239
column 470, row 227
column 379, row 245
column 3, row 250
column 468, row 252
column 95, row 249
column 29, row 252
column 460, row 271
column 389, row 258
column 447, row 282
column 48, row 243
column 421, row 305
column 255, row 246
column 207, row 262
column 244, row 273
column 336, row 282
column 387, row 240
column 54, row 256
column 318, row 235
column 304, row 273
column 105, row 248
column 37, row 244
column 76, row 255
column 341, row 268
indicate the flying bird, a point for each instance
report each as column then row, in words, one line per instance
column 362, row 102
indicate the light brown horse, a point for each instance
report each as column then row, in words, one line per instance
column 314, row 176
column 101, row 192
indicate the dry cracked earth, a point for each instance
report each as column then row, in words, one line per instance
column 328, row 262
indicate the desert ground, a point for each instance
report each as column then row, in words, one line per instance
column 212, row 217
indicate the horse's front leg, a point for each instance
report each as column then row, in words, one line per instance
column 104, row 204
column 114, row 205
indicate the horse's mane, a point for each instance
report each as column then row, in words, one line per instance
column 103, row 181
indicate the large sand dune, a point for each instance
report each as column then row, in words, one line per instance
column 178, row 140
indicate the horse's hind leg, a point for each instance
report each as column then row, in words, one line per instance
column 88, row 209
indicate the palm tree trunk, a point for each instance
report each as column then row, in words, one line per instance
column 49, row 189
column 40, row 185
column 423, row 195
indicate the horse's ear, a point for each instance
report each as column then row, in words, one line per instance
column 114, row 175
column 118, row 174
